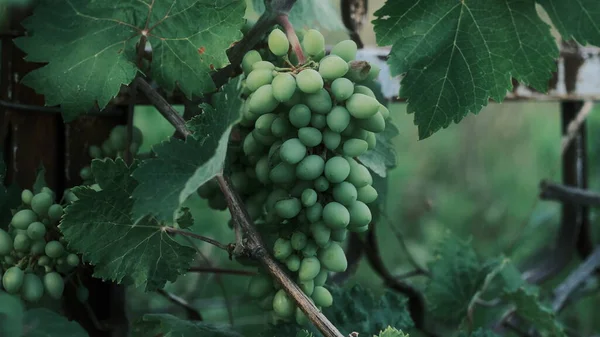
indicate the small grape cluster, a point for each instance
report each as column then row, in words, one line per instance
column 113, row 147
column 294, row 162
column 34, row 259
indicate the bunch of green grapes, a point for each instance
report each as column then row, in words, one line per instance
column 33, row 255
column 295, row 161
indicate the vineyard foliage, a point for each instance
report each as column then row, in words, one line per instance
column 452, row 56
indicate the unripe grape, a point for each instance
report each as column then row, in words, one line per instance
column 349, row 131
column 313, row 42
column 345, row 193
column 336, row 215
column 292, row 151
column 259, row 77
column 54, row 285
column 338, row 119
column 318, row 121
column 266, row 140
column 23, row 218
column 284, row 87
column 367, row 194
column 313, row 213
column 358, row 71
column 26, row 196
column 266, row 303
column 310, row 167
column 339, row 235
column 319, row 101
column 331, row 139
column 322, row 297
column 310, row 249
column 299, row 187
column 321, row 184
column 309, row 81
column 337, row 169
column 44, row 260
column 54, row 249
column 263, row 101
column 301, row 318
column 37, row 247
column 309, row 268
column 280, row 127
column 383, row 110
column 333, row 258
column 361, row 89
column 263, row 65
column 321, row 277
column 360, row 215
column 36, row 230
column 33, row 289
column 293, row 263
column 333, row 67
column 249, row 59
column 55, row 212
column 362, row 106
column 309, row 197
column 310, row 136
column 307, row 287
column 320, row 233
column 346, row 49
column 371, row 141
column 297, row 98
column 117, row 138
column 274, row 197
column 22, row 243
column 282, row 249
column 12, row 280
column 375, row 123
column 251, row 146
column 6, row 243
column 359, row 175
column 262, row 170
column 298, row 240
column 73, row 260
column 288, row 208
column 137, row 135
column 342, row 89
column 259, row 286
column 278, row 42
column 283, row 305
column 373, row 72
column 41, row 202
column 264, row 122
column 354, row 147
column 299, row 115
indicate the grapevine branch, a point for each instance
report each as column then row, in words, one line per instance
column 252, row 244
column 192, row 314
column 568, row 194
column 221, row 271
column 575, row 279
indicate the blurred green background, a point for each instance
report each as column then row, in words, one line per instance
column 479, row 179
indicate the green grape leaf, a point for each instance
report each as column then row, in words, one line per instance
column 357, row 309
column 90, row 47
column 383, row 156
column 575, row 19
column 180, row 167
column 310, row 13
column 456, row 55
column 391, row 332
column 46, row 323
column 185, row 218
column 40, row 179
column 99, row 226
column 11, row 315
column 166, row 325
column 481, row 332
column 456, row 276
column 529, row 308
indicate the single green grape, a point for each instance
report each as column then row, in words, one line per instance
column 336, row 215
column 362, row 106
column 41, row 202
column 282, row 305
column 263, row 123
column 318, row 121
column 338, row 119
column 321, row 184
column 359, row 175
column 371, row 141
column 361, row 89
column 309, row 268
column 37, row 247
column 32, row 289
column 23, row 218
column 299, row 115
column 332, row 67
column 117, row 138
column 293, row 263
column 282, row 249
column 309, row 81
column 22, row 242
column 26, row 196
column 54, row 249
column 320, row 233
column 263, row 65
column 333, row 258
column 12, row 280
column 309, row 136
column 354, row 147
column 288, row 208
column 331, row 139
column 6, row 243
column 313, row 42
column 54, row 285
column 319, row 101
column 345, row 193
column 346, row 49
column 307, row 286
column 278, row 43
column 249, row 59
column 284, row 87
column 367, row 194
column 36, row 230
column 375, row 123
column 73, row 260
column 337, row 169
column 322, row 297
column 292, row 151
column 55, row 212
column 262, row 100
column 259, row 286
column 259, row 77
column 311, row 167
column 95, row 152
column 298, row 240
column 309, row 197
column 322, row 276
column 360, row 215
column 281, row 127
column 313, row 213
column 342, row 89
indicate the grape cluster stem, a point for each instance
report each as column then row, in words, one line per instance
column 250, row 244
